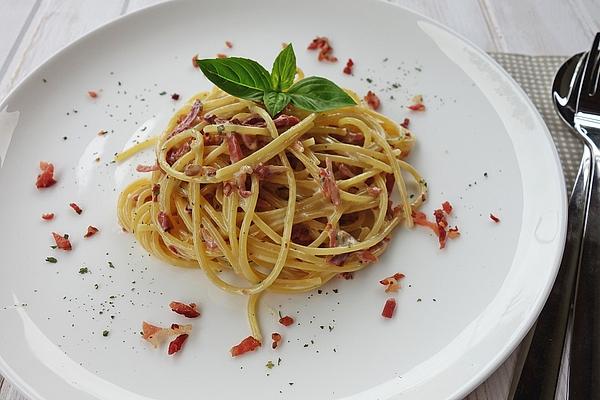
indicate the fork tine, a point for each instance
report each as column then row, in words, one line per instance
column 588, row 85
column 575, row 83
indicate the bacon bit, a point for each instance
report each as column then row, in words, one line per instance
column 417, row 107
column 391, row 282
column 447, row 207
column 453, row 233
column 209, row 118
column 254, row 120
column 47, row 216
column 149, row 331
column 285, row 121
column 187, row 310
column 233, row 146
column 210, row 241
column 442, row 224
column 221, row 55
column 102, row 132
column 91, row 231
column 243, row 192
column 156, row 335
column 175, row 96
column 164, row 221
column 346, row 275
column 354, row 138
column 348, row 67
column 300, row 234
column 388, row 308
column 189, row 119
column 373, row 191
column 328, row 184
column 251, row 120
column 228, row 44
column 396, row 211
column 389, row 214
column 175, row 154
column 76, row 208
column 332, row 233
column 417, row 104
column 177, row 344
column 209, row 171
column 146, row 168
column 276, row 337
column 62, row 242
column 246, row 345
column 46, row 178
column 173, row 249
column 345, row 172
column 286, row 321
column 390, row 182
column 227, row 188
column 322, row 43
column 235, row 155
column 419, row 218
column 92, row 94
column 338, row 259
column 155, row 191
column 195, row 61
column 366, row 256
column 192, row 169
column 494, row 218
column 372, row 100
column 405, row 123
column 250, row 141
column 212, row 140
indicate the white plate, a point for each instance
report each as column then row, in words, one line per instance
column 478, row 297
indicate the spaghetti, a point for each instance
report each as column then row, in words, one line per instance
column 284, row 203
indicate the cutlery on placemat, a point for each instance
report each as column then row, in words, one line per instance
column 584, row 360
column 541, row 367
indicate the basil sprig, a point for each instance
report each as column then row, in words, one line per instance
column 247, row 79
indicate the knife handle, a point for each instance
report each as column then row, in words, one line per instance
column 584, row 374
column 539, row 375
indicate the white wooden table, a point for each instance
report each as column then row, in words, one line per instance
column 32, row 30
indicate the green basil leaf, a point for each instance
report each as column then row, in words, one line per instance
column 318, row 94
column 240, row 77
column 284, row 69
column 275, row 102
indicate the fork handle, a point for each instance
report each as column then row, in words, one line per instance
column 538, row 378
column 584, row 375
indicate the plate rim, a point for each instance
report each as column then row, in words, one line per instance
column 526, row 324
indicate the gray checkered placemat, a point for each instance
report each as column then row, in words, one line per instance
column 535, row 75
